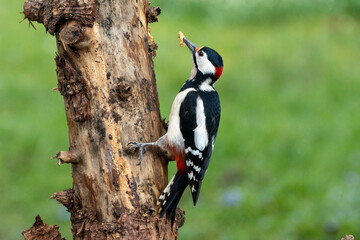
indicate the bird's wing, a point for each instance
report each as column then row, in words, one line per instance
column 199, row 137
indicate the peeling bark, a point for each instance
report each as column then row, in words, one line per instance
column 73, row 86
column 152, row 13
column 105, row 74
column 42, row 231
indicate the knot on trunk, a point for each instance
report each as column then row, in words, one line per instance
column 75, row 35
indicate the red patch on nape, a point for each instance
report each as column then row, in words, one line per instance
column 218, row 72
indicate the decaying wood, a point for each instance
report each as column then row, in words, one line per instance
column 105, row 74
column 69, row 157
column 152, row 13
column 42, row 231
column 66, row 198
column 75, row 35
column 50, row 13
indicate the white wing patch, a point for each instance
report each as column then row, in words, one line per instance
column 201, row 134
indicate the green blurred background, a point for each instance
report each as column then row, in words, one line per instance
column 287, row 157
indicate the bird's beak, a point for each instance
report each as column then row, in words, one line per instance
column 191, row 46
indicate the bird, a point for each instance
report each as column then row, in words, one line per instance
column 192, row 128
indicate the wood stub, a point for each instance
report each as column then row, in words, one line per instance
column 50, row 13
column 42, row 231
column 68, row 157
column 66, row 198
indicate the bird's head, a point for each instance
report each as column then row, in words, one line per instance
column 206, row 61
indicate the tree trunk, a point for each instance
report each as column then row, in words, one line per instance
column 105, row 74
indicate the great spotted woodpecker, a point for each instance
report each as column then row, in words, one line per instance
column 192, row 128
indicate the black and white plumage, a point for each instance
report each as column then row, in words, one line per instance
column 193, row 125
column 199, row 120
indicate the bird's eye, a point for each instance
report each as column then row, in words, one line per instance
column 201, row 53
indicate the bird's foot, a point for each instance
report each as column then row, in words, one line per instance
column 141, row 146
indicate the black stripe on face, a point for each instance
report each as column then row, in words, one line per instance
column 195, row 62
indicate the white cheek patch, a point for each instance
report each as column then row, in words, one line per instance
column 204, row 65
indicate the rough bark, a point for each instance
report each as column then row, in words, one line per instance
column 42, row 231
column 105, row 74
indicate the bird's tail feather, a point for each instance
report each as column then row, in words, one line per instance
column 171, row 195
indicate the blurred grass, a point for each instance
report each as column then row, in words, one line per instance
column 286, row 162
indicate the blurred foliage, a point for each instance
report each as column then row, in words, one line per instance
column 287, row 158
column 239, row 11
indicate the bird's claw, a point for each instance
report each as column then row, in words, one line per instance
column 133, row 145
